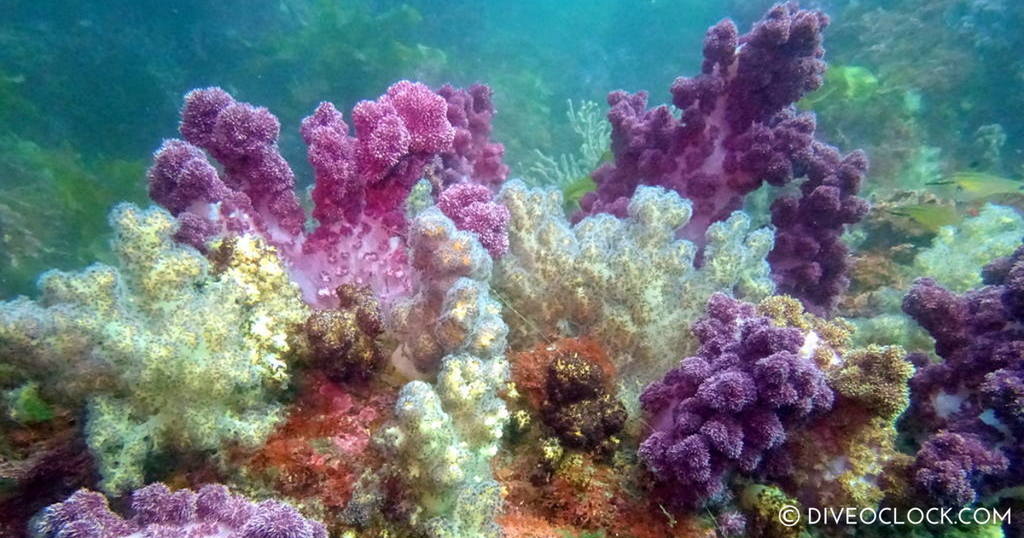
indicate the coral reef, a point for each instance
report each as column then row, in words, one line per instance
column 613, row 346
column 156, row 511
column 628, row 283
column 169, row 350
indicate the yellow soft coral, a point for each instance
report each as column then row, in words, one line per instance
column 828, row 339
column 842, row 459
column 169, row 351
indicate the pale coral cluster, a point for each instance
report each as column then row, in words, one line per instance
column 445, row 434
column 628, row 282
column 452, row 309
column 958, row 252
column 169, row 350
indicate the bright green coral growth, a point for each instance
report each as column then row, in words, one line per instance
column 169, row 351
column 25, row 405
column 957, row 253
column 627, row 282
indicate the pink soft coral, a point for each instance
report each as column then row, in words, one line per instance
column 362, row 181
column 470, row 207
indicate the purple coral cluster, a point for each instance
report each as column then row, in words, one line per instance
column 729, row 407
column 949, row 466
column 362, row 181
column 470, row 207
column 738, row 130
column 473, row 154
column 974, row 398
column 158, row 512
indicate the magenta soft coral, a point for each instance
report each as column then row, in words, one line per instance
column 362, row 181
column 738, row 130
column 475, row 155
column 470, row 207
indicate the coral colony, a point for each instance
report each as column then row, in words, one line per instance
column 436, row 351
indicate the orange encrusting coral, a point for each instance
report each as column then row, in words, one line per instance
column 530, row 367
column 553, row 490
column 325, row 444
column 598, row 497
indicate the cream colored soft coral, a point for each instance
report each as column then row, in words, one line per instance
column 446, row 433
column 169, row 350
column 628, row 282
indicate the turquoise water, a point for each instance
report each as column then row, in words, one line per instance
column 457, row 311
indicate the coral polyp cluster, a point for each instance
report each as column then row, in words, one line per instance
column 580, row 409
column 730, row 407
column 157, row 511
column 344, row 342
column 423, row 349
column 168, row 351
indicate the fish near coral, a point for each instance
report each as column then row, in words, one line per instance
column 972, row 186
column 930, row 216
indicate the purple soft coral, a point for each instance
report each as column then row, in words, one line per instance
column 212, row 512
column 949, row 465
column 737, row 131
column 729, row 406
column 244, row 139
column 474, row 156
column 361, row 186
column 974, row 398
column 470, row 207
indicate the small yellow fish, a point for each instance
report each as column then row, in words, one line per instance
column 931, row 216
column 573, row 192
column 971, row 186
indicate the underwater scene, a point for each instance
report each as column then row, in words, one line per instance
column 517, row 268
